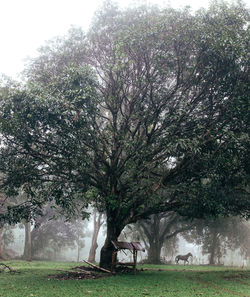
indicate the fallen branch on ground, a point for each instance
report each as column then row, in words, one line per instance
column 8, row 267
column 97, row 267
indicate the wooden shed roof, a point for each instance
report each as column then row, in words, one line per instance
column 122, row 245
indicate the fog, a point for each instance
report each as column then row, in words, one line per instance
column 229, row 258
column 67, row 254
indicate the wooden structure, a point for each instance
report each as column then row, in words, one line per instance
column 133, row 247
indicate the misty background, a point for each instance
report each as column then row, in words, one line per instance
column 69, row 249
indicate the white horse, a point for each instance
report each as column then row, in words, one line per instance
column 183, row 257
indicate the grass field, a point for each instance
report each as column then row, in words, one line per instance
column 34, row 280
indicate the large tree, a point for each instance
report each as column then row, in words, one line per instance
column 153, row 119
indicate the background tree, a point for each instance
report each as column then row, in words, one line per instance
column 158, row 230
column 2, row 254
column 245, row 243
column 27, row 242
column 7, row 239
column 154, row 121
column 6, row 234
column 169, row 249
column 217, row 236
column 55, row 235
column 2, row 202
column 98, row 222
column 49, row 234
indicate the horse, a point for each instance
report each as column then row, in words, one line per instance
column 183, row 257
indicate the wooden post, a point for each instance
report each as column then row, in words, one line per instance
column 113, row 260
column 135, row 260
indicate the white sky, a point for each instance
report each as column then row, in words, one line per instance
column 26, row 24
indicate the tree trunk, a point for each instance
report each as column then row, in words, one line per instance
column 153, row 234
column 78, row 252
column 2, row 205
column 211, row 258
column 219, row 255
column 94, row 245
column 213, row 247
column 27, row 245
column 2, row 256
column 1, row 249
column 113, row 231
column 79, row 246
column 154, row 252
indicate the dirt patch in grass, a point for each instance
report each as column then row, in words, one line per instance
column 212, row 285
column 239, row 278
column 83, row 272
column 79, row 272
column 75, row 275
column 235, row 276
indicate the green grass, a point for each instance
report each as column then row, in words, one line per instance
column 33, row 280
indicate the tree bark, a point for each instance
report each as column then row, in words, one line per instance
column 27, row 245
column 2, row 205
column 78, row 251
column 213, row 247
column 1, row 249
column 97, row 225
column 2, row 256
column 113, row 231
column 154, row 252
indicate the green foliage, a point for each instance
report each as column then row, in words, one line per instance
column 43, row 136
column 152, row 105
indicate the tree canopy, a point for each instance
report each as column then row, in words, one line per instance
column 147, row 112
